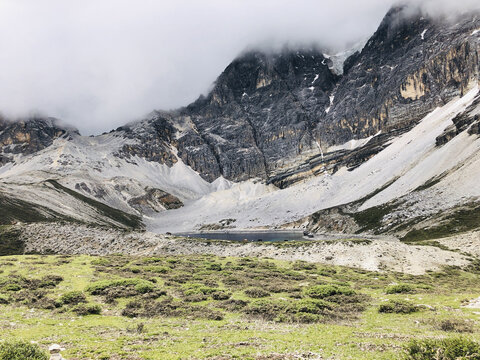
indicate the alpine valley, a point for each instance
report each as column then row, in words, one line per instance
column 380, row 140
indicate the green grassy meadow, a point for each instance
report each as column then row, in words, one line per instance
column 206, row 307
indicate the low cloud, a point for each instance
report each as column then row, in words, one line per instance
column 99, row 64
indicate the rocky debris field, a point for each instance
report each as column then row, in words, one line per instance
column 373, row 254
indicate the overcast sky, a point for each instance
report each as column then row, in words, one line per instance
column 98, row 64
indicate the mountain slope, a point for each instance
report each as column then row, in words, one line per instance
column 280, row 137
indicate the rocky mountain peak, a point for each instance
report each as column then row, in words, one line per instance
column 29, row 135
column 262, row 71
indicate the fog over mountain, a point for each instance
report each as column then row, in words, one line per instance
column 100, row 64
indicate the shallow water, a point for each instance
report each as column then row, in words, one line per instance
column 249, row 236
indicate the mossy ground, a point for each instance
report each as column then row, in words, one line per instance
column 197, row 307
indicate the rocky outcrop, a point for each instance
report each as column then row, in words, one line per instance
column 259, row 115
column 468, row 120
column 150, row 139
column 29, row 135
column 155, row 200
column 331, row 162
column 411, row 65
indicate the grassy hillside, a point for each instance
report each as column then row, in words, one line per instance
column 129, row 220
column 10, row 243
column 205, row 307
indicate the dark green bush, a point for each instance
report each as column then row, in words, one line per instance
column 256, row 293
column 12, row 287
column 324, row 291
column 104, row 287
column 21, row 350
column 266, row 309
column 214, row 267
column 303, row 265
column 156, row 269
column 192, row 289
column 144, row 287
column 398, row 307
column 310, row 306
column 454, row 325
column 50, row 281
column 221, row 295
column 399, row 289
column 87, row 309
column 73, row 298
column 444, row 349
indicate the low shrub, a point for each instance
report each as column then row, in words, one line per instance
column 444, row 349
column 454, row 325
column 87, row 309
column 193, row 289
column 50, row 281
column 73, row 298
column 303, row 265
column 398, row 307
column 256, row 293
column 12, row 287
column 221, row 295
column 326, row 271
column 266, row 309
column 324, row 291
column 399, row 289
column 310, row 306
column 214, row 267
column 144, row 287
column 152, row 260
column 195, row 298
column 21, row 350
column 233, row 304
column 156, row 269
column 102, row 287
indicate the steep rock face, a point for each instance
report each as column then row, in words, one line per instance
column 259, row 115
column 468, row 120
column 410, row 65
column 155, row 200
column 152, row 139
column 29, row 136
column 274, row 115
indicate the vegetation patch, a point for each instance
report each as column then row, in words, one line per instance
column 14, row 210
column 444, row 349
column 21, row 350
column 87, row 309
column 10, row 243
column 457, row 325
column 116, row 307
column 325, row 291
column 465, row 219
column 398, row 307
column 371, row 219
column 256, row 293
column 400, row 289
column 73, row 298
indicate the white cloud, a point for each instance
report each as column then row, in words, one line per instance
column 101, row 63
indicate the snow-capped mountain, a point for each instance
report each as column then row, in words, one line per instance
column 284, row 139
